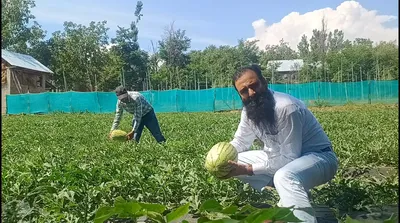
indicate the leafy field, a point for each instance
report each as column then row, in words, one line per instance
column 61, row 167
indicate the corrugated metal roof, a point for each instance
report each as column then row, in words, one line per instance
column 23, row 61
column 287, row 65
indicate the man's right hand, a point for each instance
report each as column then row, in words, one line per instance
column 109, row 135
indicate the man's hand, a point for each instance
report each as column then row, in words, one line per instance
column 130, row 135
column 239, row 169
column 109, row 135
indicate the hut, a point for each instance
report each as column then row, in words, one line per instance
column 21, row 74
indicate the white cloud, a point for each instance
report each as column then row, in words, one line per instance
column 350, row 16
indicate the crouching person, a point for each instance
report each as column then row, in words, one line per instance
column 297, row 154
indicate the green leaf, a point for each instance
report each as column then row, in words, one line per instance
column 350, row 220
column 127, row 209
column 225, row 220
column 230, row 210
column 104, row 213
column 284, row 214
column 203, row 219
column 119, row 200
column 247, row 208
column 177, row 213
column 155, row 216
column 276, row 213
column 210, row 205
column 153, row 207
column 252, row 217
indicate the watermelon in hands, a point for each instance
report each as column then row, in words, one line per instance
column 217, row 159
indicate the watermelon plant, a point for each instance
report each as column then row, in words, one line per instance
column 63, row 167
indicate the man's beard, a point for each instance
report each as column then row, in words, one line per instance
column 260, row 109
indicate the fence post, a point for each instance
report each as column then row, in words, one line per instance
column 48, row 102
column 214, row 99
column 70, row 101
column 233, row 99
column 176, row 101
column 28, row 102
column 369, row 91
column 98, row 102
column 319, row 90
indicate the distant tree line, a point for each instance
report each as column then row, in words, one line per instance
column 84, row 58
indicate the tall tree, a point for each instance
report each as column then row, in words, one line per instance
column 172, row 50
column 135, row 60
column 336, row 40
column 319, row 48
column 78, row 55
column 280, row 52
column 16, row 34
column 304, row 48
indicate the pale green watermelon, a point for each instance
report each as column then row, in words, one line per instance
column 119, row 135
column 218, row 157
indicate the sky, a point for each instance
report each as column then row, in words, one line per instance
column 223, row 22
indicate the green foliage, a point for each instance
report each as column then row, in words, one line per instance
column 134, row 61
column 84, row 59
column 62, row 167
column 77, row 55
column 210, row 211
column 16, row 34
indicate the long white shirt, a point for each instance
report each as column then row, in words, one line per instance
column 298, row 132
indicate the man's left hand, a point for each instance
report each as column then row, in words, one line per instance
column 130, row 135
column 239, row 169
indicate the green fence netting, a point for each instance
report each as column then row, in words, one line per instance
column 214, row 99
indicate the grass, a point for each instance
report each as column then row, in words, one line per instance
column 62, row 167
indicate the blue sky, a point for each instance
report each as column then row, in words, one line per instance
column 206, row 22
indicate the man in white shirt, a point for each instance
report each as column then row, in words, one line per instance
column 143, row 114
column 297, row 154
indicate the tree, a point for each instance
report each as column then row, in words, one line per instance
column 319, row 48
column 387, row 60
column 172, row 50
column 16, row 35
column 336, row 40
column 134, row 60
column 78, row 55
column 304, row 48
column 280, row 52
column 111, row 74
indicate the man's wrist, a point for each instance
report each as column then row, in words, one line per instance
column 249, row 170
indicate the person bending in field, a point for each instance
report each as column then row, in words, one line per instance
column 143, row 114
column 297, row 154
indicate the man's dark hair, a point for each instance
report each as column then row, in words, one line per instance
column 120, row 90
column 254, row 67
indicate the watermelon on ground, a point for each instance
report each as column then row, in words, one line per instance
column 119, row 135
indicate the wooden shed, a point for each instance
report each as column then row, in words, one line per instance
column 21, row 74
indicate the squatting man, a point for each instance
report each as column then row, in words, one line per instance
column 143, row 114
column 297, row 154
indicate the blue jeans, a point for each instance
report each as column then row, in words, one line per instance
column 150, row 121
column 294, row 180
